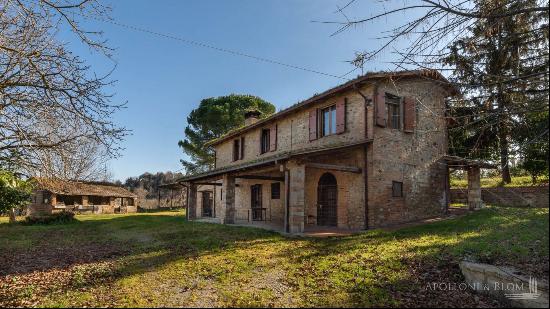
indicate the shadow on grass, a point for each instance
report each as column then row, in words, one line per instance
column 376, row 268
column 379, row 268
column 25, row 249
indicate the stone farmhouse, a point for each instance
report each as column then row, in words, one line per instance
column 369, row 153
column 51, row 196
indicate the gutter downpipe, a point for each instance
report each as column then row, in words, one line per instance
column 368, row 102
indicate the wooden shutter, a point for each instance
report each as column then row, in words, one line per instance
column 273, row 138
column 242, row 148
column 236, row 150
column 409, row 121
column 341, row 116
column 380, row 108
column 313, row 125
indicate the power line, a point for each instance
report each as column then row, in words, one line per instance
column 209, row 46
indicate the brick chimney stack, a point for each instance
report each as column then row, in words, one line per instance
column 251, row 116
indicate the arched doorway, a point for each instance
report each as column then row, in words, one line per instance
column 327, row 197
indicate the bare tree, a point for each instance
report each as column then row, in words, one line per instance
column 55, row 113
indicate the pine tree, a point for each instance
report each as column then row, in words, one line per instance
column 502, row 67
column 213, row 118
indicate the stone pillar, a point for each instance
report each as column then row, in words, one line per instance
column 192, row 202
column 84, row 200
column 296, row 211
column 228, row 198
column 474, row 188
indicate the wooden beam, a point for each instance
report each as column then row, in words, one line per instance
column 211, row 184
column 342, row 168
column 259, row 177
column 208, row 183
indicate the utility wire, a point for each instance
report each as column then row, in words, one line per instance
column 209, row 46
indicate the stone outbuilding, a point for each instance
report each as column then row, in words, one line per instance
column 368, row 153
column 51, row 196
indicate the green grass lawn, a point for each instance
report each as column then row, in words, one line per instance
column 159, row 259
column 494, row 182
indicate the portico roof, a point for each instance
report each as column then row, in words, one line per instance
column 264, row 161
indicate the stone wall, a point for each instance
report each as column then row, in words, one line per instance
column 506, row 284
column 535, row 196
column 38, row 207
column 410, row 158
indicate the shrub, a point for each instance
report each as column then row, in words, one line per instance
column 57, row 218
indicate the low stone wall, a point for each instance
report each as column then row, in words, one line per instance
column 535, row 196
column 506, row 284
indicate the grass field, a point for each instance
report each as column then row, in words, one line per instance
column 493, row 182
column 159, row 259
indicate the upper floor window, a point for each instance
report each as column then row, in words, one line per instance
column 236, row 150
column 265, row 141
column 393, row 104
column 328, row 120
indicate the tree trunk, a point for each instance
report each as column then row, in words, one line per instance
column 503, row 142
column 502, row 116
column 504, row 166
column 12, row 216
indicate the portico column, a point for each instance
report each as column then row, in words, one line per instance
column 228, row 198
column 474, row 188
column 296, row 211
column 192, row 202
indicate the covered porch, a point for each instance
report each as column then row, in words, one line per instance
column 250, row 196
column 319, row 192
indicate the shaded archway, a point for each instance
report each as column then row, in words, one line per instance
column 327, row 200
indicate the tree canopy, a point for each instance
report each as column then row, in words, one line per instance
column 52, row 102
column 213, row 118
column 14, row 192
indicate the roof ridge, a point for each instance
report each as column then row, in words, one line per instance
column 435, row 75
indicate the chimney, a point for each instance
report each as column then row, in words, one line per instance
column 251, row 117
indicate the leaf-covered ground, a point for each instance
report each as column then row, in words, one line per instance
column 160, row 259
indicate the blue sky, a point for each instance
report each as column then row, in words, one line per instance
column 163, row 80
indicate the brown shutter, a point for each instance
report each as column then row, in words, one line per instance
column 341, row 116
column 381, row 113
column 235, row 150
column 261, row 140
column 273, row 138
column 409, row 121
column 313, row 125
column 242, row 148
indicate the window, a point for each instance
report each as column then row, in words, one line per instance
column 275, row 190
column 394, row 111
column 236, row 150
column 328, row 120
column 264, row 147
column 397, row 189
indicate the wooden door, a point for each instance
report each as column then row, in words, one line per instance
column 327, row 198
column 256, row 203
column 207, row 204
